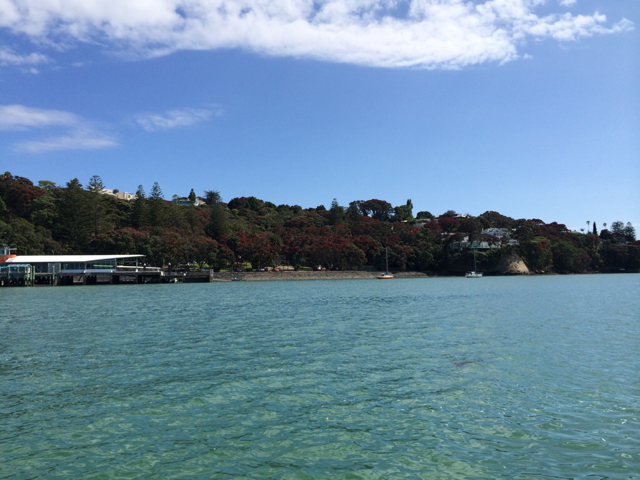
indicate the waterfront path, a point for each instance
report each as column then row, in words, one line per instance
column 307, row 275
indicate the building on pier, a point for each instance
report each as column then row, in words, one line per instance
column 69, row 269
column 16, row 275
column 87, row 270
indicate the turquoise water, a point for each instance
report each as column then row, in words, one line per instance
column 412, row 378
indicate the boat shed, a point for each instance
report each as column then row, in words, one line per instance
column 65, row 269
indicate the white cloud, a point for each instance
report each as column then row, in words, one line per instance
column 75, row 140
column 9, row 57
column 77, row 133
column 387, row 33
column 173, row 119
column 19, row 117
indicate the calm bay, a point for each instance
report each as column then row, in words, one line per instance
column 499, row 377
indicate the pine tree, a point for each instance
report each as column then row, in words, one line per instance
column 212, row 197
column 630, row 233
column 157, row 206
column 96, row 202
column 140, row 212
column 156, row 192
column 75, row 219
column 218, row 221
column 595, row 230
column 95, row 184
column 336, row 213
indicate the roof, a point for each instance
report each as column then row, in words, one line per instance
column 66, row 258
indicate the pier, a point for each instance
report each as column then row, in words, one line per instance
column 59, row 270
column 126, row 276
column 17, row 275
column 25, row 276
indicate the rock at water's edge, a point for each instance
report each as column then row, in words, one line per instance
column 512, row 264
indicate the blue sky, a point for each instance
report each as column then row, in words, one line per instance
column 527, row 107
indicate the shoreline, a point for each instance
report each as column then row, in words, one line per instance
column 359, row 275
column 306, row 275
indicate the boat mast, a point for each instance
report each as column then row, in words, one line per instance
column 475, row 269
column 386, row 256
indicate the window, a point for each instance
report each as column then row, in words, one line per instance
column 109, row 264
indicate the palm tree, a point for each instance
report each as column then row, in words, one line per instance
column 588, row 225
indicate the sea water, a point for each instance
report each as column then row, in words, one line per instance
column 503, row 377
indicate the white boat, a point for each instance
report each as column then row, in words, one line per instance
column 386, row 275
column 474, row 273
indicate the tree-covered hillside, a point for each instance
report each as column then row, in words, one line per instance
column 76, row 219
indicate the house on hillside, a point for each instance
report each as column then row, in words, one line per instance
column 185, row 202
column 118, row 194
column 497, row 232
column 503, row 234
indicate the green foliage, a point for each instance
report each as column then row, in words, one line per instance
column 74, row 225
column 140, row 210
column 95, row 184
column 46, row 218
column 403, row 213
column 496, row 220
column 157, row 207
column 424, row 215
column 28, row 238
column 617, row 228
column 567, row 258
column 607, row 236
column 97, row 204
column 47, row 185
column 44, row 210
column 156, row 192
column 4, row 213
column 212, row 197
column 377, row 209
column 629, row 233
column 621, row 257
column 336, row 213
column 537, row 254
column 621, row 233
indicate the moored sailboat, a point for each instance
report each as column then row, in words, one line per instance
column 386, row 275
column 474, row 273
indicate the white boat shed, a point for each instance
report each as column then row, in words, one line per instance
column 78, row 264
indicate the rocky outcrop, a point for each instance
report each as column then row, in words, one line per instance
column 511, row 264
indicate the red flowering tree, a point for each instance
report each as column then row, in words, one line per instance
column 261, row 248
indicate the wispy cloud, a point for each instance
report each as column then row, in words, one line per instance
column 76, row 140
column 173, row 119
column 384, row 33
column 19, row 117
column 9, row 57
column 77, row 133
